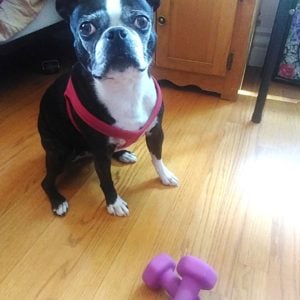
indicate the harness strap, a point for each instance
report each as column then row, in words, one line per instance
column 72, row 101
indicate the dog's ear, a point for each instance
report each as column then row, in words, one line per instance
column 154, row 3
column 65, row 7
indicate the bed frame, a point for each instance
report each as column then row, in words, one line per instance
column 43, row 39
column 15, row 44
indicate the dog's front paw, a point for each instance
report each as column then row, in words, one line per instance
column 62, row 209
column 119, row 208
column 165, row 175
column 168, row 178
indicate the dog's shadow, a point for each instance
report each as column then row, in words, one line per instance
column 75, row 171
column 84, row 168
column 153, row 183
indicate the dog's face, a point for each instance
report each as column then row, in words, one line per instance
column 111, row 35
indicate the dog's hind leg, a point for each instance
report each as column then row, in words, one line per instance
column 125, row 156
column 54, row 166
column 154, row 140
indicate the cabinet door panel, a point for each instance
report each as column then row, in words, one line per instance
column 196, row 36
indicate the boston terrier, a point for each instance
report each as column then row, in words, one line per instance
column 108, row 100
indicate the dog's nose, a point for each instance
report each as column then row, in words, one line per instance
column 116, row 33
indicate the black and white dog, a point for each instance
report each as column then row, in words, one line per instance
column 108, row 100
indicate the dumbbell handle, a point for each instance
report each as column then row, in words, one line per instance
column 188, row 290
column 170, row 282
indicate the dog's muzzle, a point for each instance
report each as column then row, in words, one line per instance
column 116, row 34
column 118, row 49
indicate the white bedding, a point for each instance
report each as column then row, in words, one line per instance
column 46, row 17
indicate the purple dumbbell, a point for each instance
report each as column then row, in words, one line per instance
column 196, row 275
column 160, row 273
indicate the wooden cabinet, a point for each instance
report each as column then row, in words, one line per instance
column 204, row 43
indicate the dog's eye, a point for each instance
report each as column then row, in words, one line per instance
column 87, row 29
column 141, row 22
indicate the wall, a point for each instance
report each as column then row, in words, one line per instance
column 263, row 32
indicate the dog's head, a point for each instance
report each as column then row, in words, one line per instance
column 111, row 35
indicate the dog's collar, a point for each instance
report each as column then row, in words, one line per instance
column 73, row 102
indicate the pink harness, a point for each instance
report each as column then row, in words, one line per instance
column 72, row 101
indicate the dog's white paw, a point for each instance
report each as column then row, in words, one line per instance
column 62, row 209
column 119, row 208
column 168, row 178
column 165, row 175
column 128, row 157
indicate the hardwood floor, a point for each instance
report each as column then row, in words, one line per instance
column 237, row 206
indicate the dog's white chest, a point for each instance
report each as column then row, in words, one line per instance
column 129, row 98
